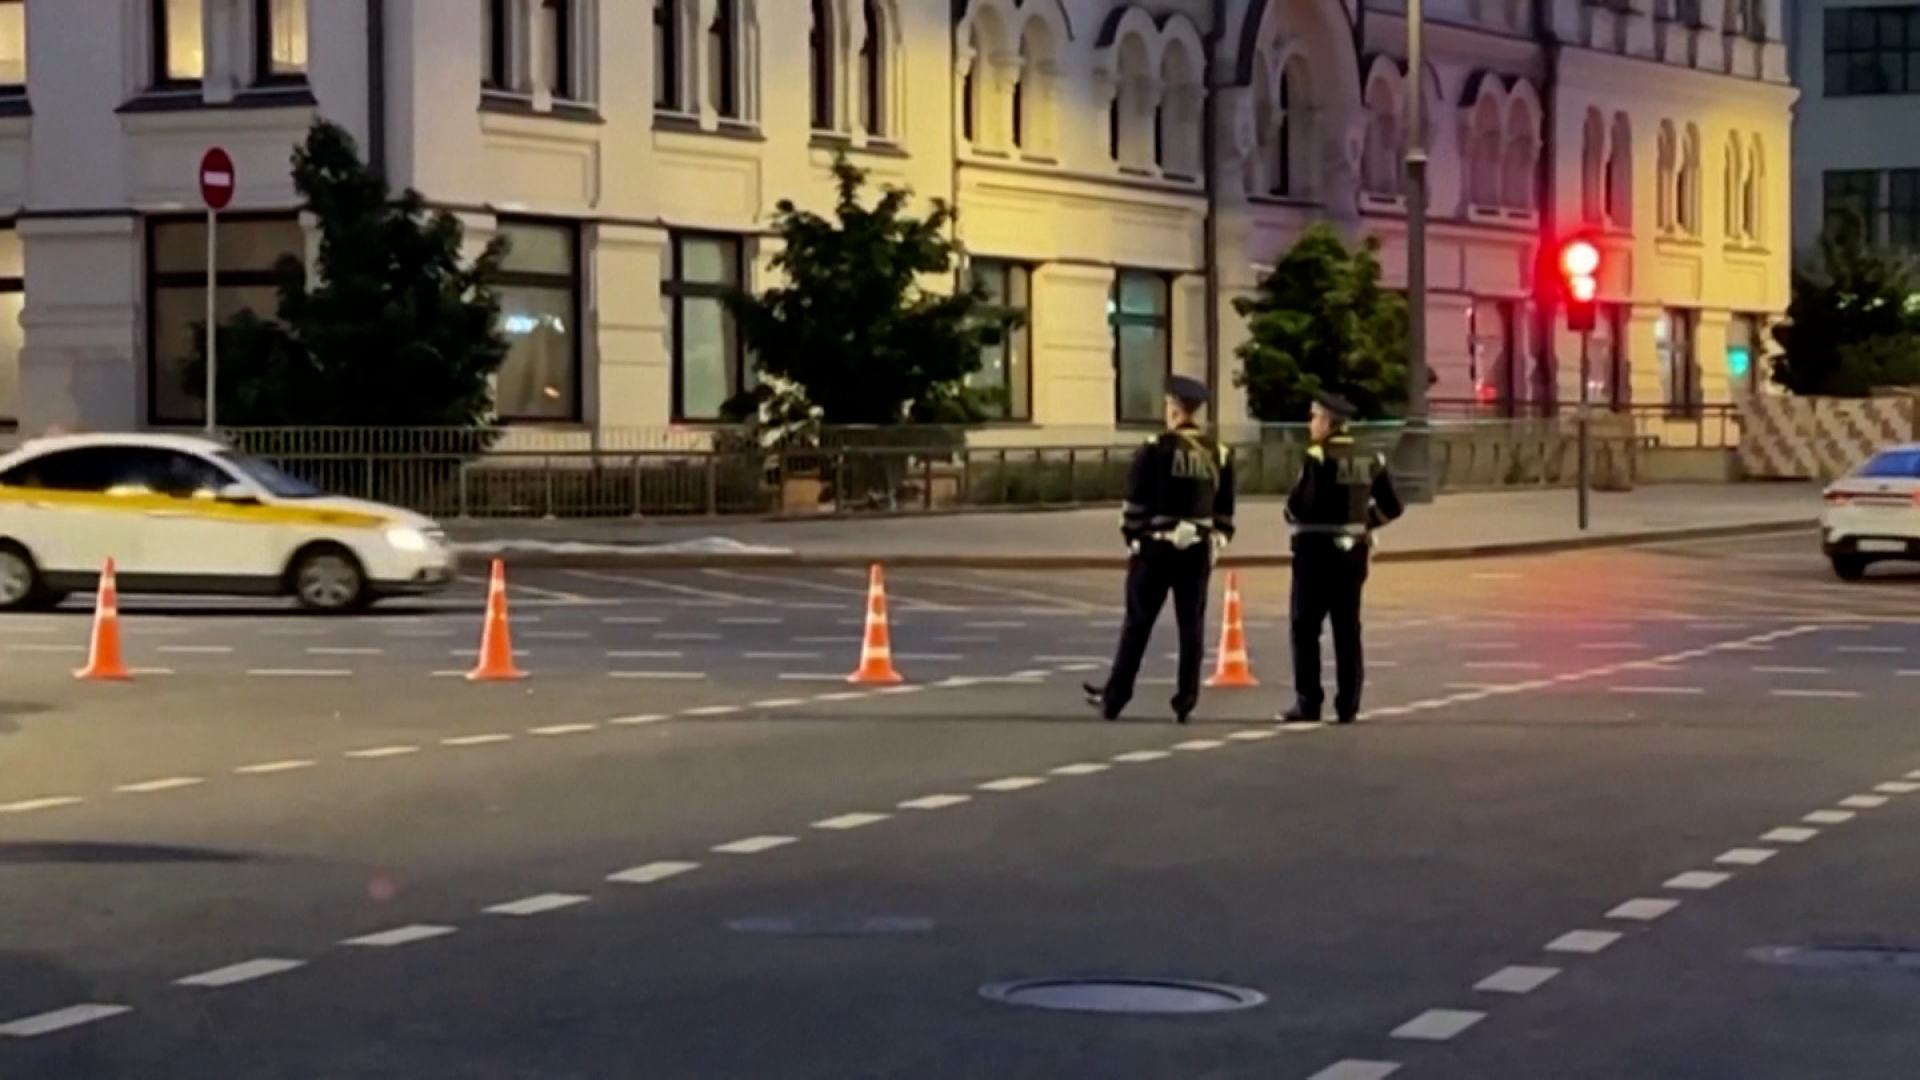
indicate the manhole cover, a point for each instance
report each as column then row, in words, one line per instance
column 1124, row 995
column 1865, row 952
column 831, row 925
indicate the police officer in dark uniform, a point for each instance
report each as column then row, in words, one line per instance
column 1178, row 512
column 1342, row 496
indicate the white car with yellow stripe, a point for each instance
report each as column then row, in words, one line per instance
column 185, row 515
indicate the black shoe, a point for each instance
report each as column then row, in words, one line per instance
column 1300, row 714
column 1180, row 717
column 1096, row 697
column 1346, row 718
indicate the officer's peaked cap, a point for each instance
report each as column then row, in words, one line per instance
column 1189, row 392
column 1339, row 407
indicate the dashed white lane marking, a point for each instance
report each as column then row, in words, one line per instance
column 300, row 673
column 843, row 695
column 1829, row 817
column 1843, row 694
column 711, row 710
column 994, row 625
column 1897, row 787
column 1658, row 689
column 47, row 1023
column 1516, row 979
column 782, row 655
column 535, row 905
column 635, row 721
column 850, row 821
column 383, row 751
column 1696, row 880
column 563, row 729
column 1583, row 941
column 930, row 658
column 293, row 631
column 206, row 650
column 1610, row 646
column 652, row 872
column 1084, row 665
column 1863, row 802
column 645, row 654
column 1254, row 735
column 36, row 647
column 829, row 639
column 1199, row 744
column 910, row 688
column 170, row 783
column 1438, row 1025
column 1778, row 669
column 754, row 845
column 1885, row 650
column 266, row 768
column 1297, row 727
column 812, row 676
column 1744, row 856
column 1644, row 909
column 29, row 805
column 935, row 802
column 1789, row 834
column 468, row 653
column 633, row 620
column 400, row 935
column 1135, row 757
column 672, row 675
column 750, row 620
column 246, row 971
column 1070, row 659
column 778, row 703
column 966, row 639
column 343, row 650
column 1082, row 768
column 1013, row 783
column 1355, row 1069
column 477, row 740
column 669, row 636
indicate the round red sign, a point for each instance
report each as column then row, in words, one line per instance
column 216, row 179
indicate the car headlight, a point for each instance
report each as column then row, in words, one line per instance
column 403, row 538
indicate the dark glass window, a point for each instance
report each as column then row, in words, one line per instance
column 244, row 280
column 1872, row 50
column 709, row 363
column 540, row 309
column 1006, row 367
column 1140, row 313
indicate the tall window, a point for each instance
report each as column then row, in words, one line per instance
column 1006, row 367
column 249, row 247
column 820, row 67
column 13, row 297
column 1903, row 208
column 280, row 40
column 179, row 29
column 1673, row 337
column 13, row 45
column 1872, row 50
column 1140, row 312
column 1494, row 357
column 723, row 67
column 498, row 32
column 557, row 47
column 873, row 73
column 1746, row 351
column 540, row 306
column 1852, row 193
column 666, row 56
column 709, row 364
column 1609, row 379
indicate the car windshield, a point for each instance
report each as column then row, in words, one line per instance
column 270, row 476
column 1901, row 464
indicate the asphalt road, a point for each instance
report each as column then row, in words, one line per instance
column 1601, row 808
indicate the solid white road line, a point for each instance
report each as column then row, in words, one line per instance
column 652, row 872
column 1696, row 880
column 1745, row 856
column 1135, row 757
column 1863, row 802
column 1829, row 817
column 477, row 740
column 935, row 802
column 268, row 767
column 402, row 935
column 171, row 783
column 1583, row 941
column 47, row 1023
column 1644, row 909
column 1516, row 979
column 535, row 905
column 1084, row 768
column 563, row 729
column 1355, row 1069
column 1789, row 834
column 29, row 805
column 383, row 752
column 1438, row 1025
column 241, row 972
column 850, row 821
column 1013, row 783
column 754, row 845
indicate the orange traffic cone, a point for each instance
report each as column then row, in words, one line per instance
column 496, row 641
column 1233, row 669
column 876, row 650
column 104, row 662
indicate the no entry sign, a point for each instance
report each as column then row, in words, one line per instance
column 216, row 179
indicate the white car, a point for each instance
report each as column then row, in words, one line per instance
column 181, row 515
column 1873, row 514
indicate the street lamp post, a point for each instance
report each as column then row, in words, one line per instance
column 1416, row 451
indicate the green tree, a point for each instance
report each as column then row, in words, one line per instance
column 1322, row 321
column 852, row 332
column 1852, row 324
column 393, row 327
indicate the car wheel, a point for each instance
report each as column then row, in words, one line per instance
column 329, row 579
column 1849, row 567
column 20, row 587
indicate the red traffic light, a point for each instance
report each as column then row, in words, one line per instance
column 1580, row 282
column 1579, row 259
column 1582, row 290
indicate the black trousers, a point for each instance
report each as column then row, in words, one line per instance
column 1159, row 568
column 1327, row 583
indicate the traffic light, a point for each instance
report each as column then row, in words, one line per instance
column 1579, row 279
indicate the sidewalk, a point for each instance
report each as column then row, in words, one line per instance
column 1454, row 526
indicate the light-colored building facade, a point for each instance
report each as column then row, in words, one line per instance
column 1122, row 170
column 1856, row 127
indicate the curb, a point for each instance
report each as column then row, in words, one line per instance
column 642, row 559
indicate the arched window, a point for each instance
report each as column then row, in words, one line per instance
column 1177, row 134
column 1037, row 91
column 1593, row 165
column 985, row 87
column 1751, row 193
column 1288, row 133
column 1380, row 154
column 876, row 76
column 723, row 60
column 669, row 93
column 820, row 66
column 1686, row 196
column 1619, row 200
column 1667, row 170
column 1731, row 188
column 1518, row 185
column 1137, row 104
column 1488, row 142
column 970, row 88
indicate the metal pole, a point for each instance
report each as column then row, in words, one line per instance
column 1416, row 452
column 1586, row 336
column 213, row 337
